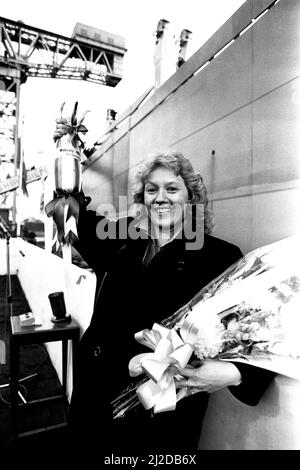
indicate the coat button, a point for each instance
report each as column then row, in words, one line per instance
column 180, row 265
column 97, row 351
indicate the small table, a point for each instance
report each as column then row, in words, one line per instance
column 45, row 333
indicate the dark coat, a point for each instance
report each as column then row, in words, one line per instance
column 132, row 296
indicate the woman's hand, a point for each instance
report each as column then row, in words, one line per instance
column 71, row 125
column 62, row 128
column 209, row 376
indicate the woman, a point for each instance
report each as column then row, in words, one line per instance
column 142, row 280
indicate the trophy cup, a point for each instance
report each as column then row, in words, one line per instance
column 64, row 208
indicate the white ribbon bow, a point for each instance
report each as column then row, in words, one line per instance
column 170, row 355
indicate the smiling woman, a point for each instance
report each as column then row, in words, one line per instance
column 141, row 280
column 168, row 185
column 165, row 199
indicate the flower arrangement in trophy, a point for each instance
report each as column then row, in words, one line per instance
column 64, row 208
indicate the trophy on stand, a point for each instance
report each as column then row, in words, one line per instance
column 64, row 208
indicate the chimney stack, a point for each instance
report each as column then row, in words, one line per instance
column 165, row 54
column 184, row 39
column 110, row 117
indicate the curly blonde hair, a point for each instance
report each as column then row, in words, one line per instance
column 180, row 166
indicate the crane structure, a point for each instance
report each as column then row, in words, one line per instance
column 90, row 54
column 26, row 51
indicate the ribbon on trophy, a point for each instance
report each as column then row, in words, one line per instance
column 64, row 208
column 162, row 366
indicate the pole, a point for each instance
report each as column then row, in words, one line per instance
column 19, row 190
column 9, row 294
column 16, row 156
column 6, row 233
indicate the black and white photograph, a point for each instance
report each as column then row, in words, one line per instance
column 149, row 230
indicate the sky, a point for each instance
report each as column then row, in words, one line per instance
column 136, row 21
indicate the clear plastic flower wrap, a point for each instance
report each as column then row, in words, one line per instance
column 250, row 314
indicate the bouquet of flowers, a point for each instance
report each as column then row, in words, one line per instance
column 249, row 314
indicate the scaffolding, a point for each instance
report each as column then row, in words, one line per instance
column 26, row 51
